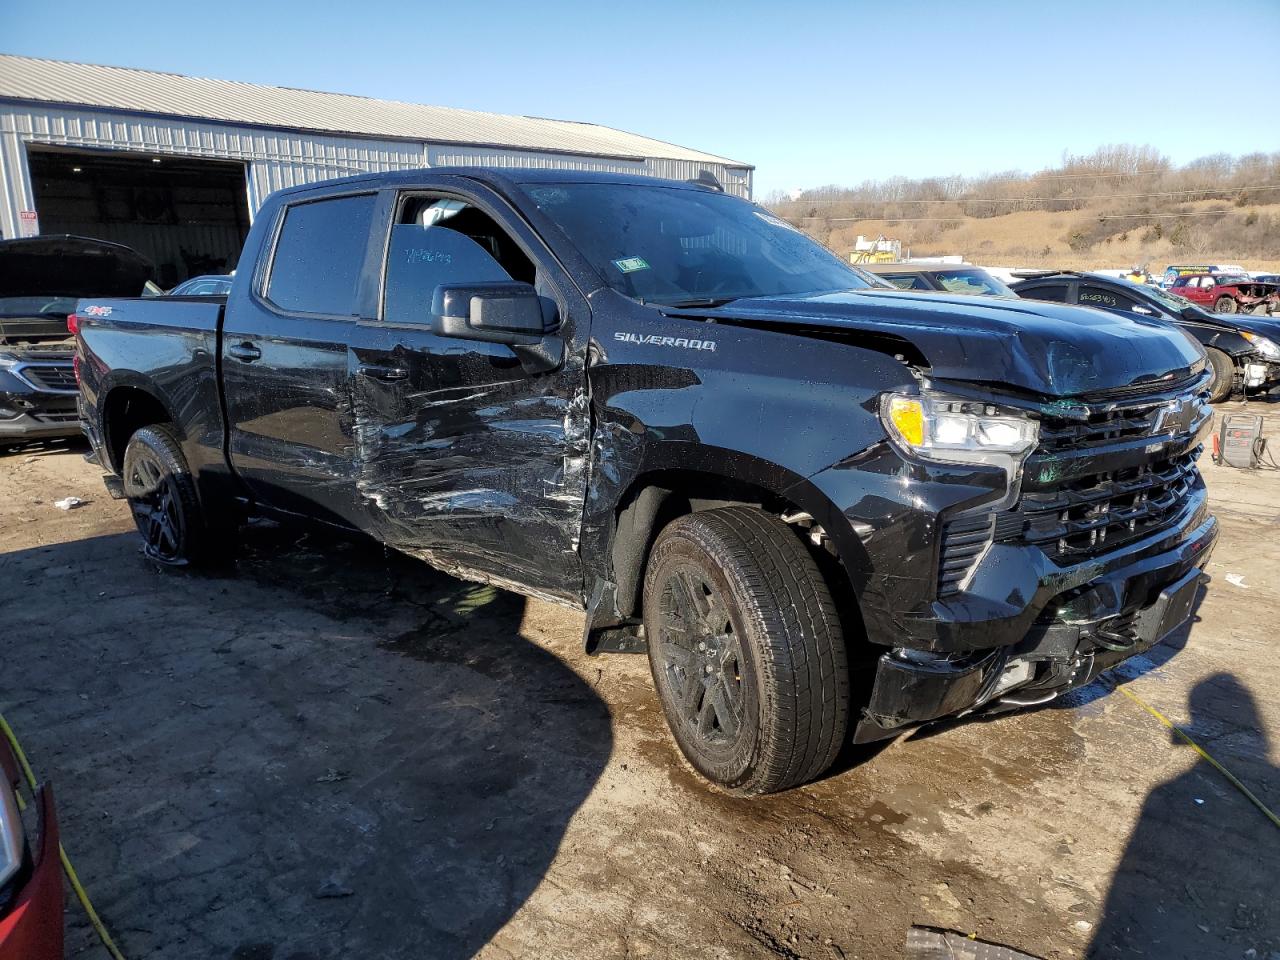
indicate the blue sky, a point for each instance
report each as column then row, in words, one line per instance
column 811, row 93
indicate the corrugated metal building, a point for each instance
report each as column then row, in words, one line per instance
column 177, row 166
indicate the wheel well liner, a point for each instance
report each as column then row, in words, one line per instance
column 125, row 411
column 655, row 499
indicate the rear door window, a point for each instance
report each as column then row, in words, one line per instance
column 320, row 254
column 1106, row 299
column 1057, row 292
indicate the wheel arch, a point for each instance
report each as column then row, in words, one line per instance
column 663, row 492
column 128, row 405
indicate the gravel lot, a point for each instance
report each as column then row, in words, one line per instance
column 329, row 752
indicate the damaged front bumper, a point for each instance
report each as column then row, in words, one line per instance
column 981, row 598
column 37, row 396
column 1260, row 374
column 1105, row 613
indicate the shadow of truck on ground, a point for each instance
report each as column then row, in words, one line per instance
column 332, row 752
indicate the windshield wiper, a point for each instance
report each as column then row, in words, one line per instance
column 696, row 302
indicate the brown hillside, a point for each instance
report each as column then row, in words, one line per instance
column 1038, row 238
column 1115, row 207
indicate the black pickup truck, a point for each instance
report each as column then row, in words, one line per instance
column 826, row 510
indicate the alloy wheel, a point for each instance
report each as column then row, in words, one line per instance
column 701, row 656
column 155, row 501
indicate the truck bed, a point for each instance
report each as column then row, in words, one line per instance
column 165, row 346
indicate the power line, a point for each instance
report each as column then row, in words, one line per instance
column 1165, row 216
column 1090, row 199
column 1128, row 216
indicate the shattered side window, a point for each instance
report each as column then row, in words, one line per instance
column 440, row 241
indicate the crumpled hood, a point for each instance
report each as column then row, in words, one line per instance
column 66, row 266
column 1050, row 349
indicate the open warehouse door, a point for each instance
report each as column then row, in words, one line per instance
column 187, row 215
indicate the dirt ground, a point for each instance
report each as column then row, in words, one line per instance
column 327, row 752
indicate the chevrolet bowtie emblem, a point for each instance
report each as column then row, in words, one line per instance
column 1175, row 417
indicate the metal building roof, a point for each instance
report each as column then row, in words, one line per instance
column 170, row 94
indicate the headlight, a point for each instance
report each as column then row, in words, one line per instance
column 1264, row 346
column 11, row 833
column 951, row 430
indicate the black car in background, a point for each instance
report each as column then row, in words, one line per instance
column 1244, row 349
column 41, row 278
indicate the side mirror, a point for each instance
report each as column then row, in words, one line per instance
column 500, row 312
column 509, row 313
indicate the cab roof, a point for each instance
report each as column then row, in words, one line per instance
column 491, row 177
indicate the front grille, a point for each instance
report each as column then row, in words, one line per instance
column 1089, row 487
column 50, row 376
column 1099, row 428
column 1090, row 515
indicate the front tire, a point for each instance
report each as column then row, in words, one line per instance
column 162, row 495
column 1224, row 376
column 1224, row 305
column 746, row 650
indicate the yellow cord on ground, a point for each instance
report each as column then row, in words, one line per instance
column 70, row 871
column 1231, row 777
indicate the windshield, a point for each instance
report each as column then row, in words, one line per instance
column 670, row 246
column 977, row 282
column 1229, row 278
column 1169, row 300
column 36, row 306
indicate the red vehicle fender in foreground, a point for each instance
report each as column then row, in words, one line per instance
column 32, row 929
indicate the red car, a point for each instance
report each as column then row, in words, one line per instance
column 1228, row 292
column 30, row 871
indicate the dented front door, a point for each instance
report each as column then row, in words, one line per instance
column 462, row 456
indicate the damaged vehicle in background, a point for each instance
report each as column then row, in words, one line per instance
column 1244, row 351
column 822, row 507
column 40, row 280
column 1228, row 293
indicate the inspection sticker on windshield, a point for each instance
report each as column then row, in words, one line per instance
column 631, row 264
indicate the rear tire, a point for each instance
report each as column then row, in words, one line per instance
column 746, row 650
column 1224, row 305
column 162, row 495
column 1224, row 376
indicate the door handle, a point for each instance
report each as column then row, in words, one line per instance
column 245, row 352
column 377, row 372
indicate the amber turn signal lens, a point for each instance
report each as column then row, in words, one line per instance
column 907, row 416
